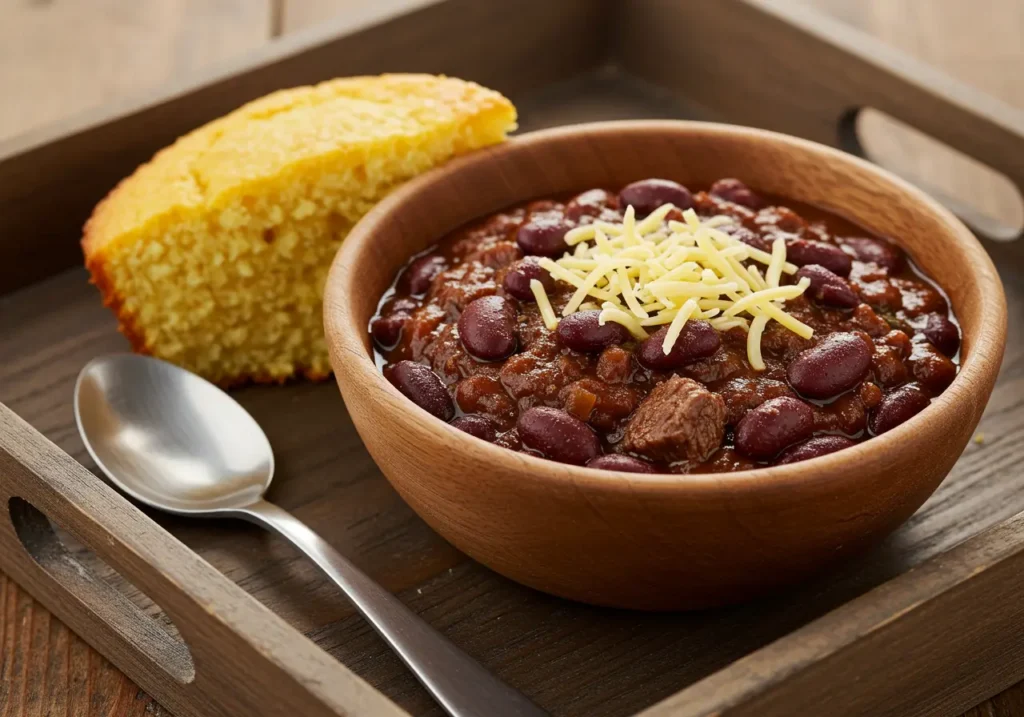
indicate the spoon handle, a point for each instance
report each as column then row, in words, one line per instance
column 458, row 682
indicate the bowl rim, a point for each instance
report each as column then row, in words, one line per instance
column 342, row 329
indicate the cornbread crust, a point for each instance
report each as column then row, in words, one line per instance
column 259, row 200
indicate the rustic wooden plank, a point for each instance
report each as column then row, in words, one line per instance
column 58, row 58
column 62, row 675
column 346, row 635
column 72, row 160
column 1009, row 703
column 797, row 71
column 596, row 662
column 945, row 34
column 300, row 14
column 239, row 658
column 954, row 617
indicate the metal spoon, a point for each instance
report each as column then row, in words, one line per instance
column 177, row 443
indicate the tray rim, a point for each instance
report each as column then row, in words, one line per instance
column 928, row 585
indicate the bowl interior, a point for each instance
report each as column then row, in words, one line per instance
column 666, row 541
column 610, row 155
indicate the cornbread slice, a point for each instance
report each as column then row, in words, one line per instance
column 214, row 254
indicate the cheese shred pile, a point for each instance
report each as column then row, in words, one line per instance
column 650, row 273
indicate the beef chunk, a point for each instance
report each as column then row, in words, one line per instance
column 679, row 420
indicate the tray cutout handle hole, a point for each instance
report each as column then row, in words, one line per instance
column 157, row 638
column 985, row 198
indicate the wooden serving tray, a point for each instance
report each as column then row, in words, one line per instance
column 220, row 618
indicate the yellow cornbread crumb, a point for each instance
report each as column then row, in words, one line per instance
column 979, row 438
column 214, row 254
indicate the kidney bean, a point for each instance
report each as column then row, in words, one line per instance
column 619, row 462
column 735, row 191
column 897, row 407
column 583, row 332
column 930, row 367
column 827, row 287
column 836, row 364
column 544, row 236
column 874, row 251
column 521, row 273
column 487, row 328
column 775, row 424
column 417, row 277
column 558, row 436
column 648, row 194
column 807, row 251
column 423, row 387
column 479, row 426
column 943, row 333
column 387, row 330
column 590, row 204
column 814, row 447
column 697, row 340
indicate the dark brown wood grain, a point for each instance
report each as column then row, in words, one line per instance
column 270, row 668
column 813, row 76
column 572, row 659
column 45, row 669
column 74, row 160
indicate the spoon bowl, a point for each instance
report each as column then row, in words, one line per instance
column 170, row 439
column 176, row 442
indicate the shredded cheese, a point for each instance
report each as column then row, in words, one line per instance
column 774, row 271
column 754, row 342
column 656, row 272
column 544, row 304
column 611, row 312
column 678, row 321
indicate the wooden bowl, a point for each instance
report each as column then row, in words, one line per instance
column 665, row 541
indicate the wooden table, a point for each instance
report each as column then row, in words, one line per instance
column 58, row 57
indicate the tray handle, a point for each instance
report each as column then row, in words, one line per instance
column 792, row 69
column 158, row 651
column 237, row 656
